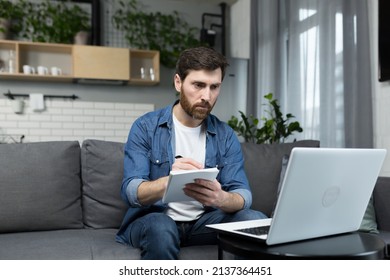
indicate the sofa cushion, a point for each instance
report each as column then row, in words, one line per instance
column 102, row 174
column 369, row 219
column 263, row 166
column 40, row 186
column 81, row 244
column 70, row 244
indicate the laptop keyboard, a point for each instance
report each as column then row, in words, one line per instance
column 255, row 230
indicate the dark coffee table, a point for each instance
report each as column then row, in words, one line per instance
column 356, row 245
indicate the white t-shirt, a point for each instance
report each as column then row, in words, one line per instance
column 190, row 142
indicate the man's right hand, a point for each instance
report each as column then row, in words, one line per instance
column 151, row 191
column 186, row 164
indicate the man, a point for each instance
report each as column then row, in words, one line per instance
column 183, row 136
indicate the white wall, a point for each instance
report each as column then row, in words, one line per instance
column 239, row 29
column 69, row 120
column 232, row 98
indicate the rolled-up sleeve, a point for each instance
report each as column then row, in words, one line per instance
column 147, row 154
column 246, row 195
column 131, row 192
column 135, row 164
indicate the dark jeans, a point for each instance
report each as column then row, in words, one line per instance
column 160, row 237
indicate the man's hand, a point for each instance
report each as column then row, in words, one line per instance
column 151, row 191
column 186, row 164
column 210, row 193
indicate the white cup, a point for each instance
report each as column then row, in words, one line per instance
column 42, row 70
column 56, row 71
column 27, row 69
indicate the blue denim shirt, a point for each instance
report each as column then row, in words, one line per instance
column 149, row 155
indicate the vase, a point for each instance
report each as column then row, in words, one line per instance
column 81, row 38
column 4, row 28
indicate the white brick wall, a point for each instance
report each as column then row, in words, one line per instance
column 69, row 120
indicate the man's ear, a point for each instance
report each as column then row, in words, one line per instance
column 177, row 82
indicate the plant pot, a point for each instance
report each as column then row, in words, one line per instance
column 81, row 38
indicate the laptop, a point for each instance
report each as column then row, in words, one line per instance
column 325, row 191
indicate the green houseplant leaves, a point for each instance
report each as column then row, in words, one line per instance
column 11, row 15
column 53, row 21
column 276, row 128
column 168, row 33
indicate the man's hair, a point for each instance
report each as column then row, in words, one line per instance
column 200, row 58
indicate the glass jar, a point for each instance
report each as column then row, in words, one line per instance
column 11, row 61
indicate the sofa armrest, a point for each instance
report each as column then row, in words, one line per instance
column 381, row 203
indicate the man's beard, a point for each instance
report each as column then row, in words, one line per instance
column 199, row 111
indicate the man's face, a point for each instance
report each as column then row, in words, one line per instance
column 199, row 92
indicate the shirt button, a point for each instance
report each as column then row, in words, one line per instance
column 157, row 161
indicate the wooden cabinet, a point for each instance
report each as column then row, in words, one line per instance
column 144, row 67
column 36, row 55
column 91, row 62
column 6, row 50
column 77, row 62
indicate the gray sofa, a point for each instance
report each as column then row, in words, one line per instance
column 60, row 200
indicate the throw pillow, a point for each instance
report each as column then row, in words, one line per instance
column 369, row 220
column 281, row 178
column 40, row 186
column 102, row 174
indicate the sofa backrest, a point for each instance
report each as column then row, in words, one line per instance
column 43, row 187
column 40, row 186
column 263, row 167
column 381, row 202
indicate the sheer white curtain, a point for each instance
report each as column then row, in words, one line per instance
column 314, row 56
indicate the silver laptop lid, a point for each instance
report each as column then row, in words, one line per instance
column 325, row 191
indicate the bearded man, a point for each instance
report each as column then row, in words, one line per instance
column 184, row 136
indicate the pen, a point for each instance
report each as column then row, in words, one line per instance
column 178, row 156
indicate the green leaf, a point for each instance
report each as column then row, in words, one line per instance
column 275, row 128
column 168, row 33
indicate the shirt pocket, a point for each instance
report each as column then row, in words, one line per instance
column 159, row 165
column 216, row 161
column 224, row 164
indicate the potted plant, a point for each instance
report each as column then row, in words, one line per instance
column 276, row 128
column 10, row 18
column 168, row 33
column 54, row 22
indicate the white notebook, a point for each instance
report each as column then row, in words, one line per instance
column 178, row 179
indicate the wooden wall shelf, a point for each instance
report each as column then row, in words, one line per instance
column 79, row 63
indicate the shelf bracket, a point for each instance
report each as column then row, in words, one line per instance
column 13, row 95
